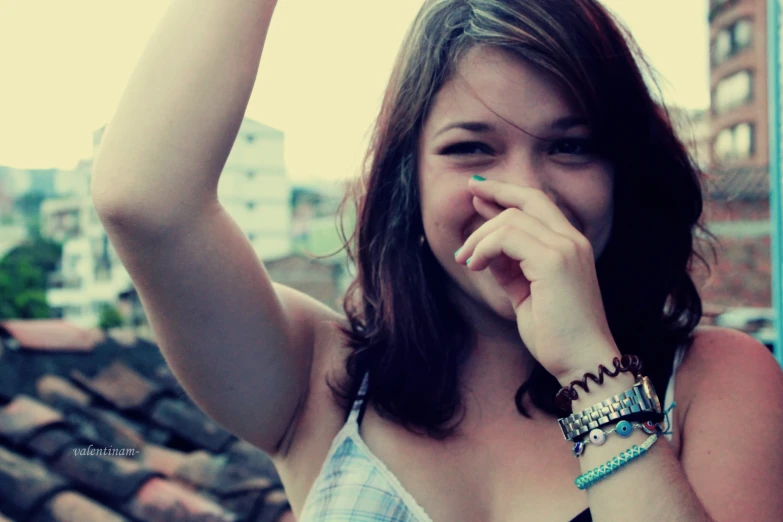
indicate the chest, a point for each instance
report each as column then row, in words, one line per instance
column 518, row 471
column 507, row 471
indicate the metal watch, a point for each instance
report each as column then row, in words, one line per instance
column 639, row 403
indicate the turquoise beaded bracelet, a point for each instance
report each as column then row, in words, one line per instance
column 591, row 477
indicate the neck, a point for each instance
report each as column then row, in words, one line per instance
column 497, row 366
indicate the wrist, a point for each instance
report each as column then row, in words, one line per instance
column 578, row 373
column 611, row 386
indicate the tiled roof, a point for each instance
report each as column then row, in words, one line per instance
column 100, row 430
column 740, row 183
column 50, row 334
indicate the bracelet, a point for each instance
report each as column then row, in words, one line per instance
column 586, row 480
column 628, row 363
column 640, row 403
column 622, row 428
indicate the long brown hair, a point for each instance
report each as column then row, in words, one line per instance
column 403, row 329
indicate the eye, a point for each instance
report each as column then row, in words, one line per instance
column 574, row 146
column 466, row 148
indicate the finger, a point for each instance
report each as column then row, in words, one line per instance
column 509, row 241
column 515, row 218
column 486, row 209
column 529, row 200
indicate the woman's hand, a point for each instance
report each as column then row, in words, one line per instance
column 546, row 267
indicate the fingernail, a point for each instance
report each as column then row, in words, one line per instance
column 468, row 261
column 479, row 178
column 456, row 254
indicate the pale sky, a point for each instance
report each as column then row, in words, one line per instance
column 64, row 65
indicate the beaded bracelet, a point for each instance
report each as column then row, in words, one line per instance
column 579, row 447
column 586, row 480
column 622, row 428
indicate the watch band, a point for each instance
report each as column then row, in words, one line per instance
column 639, row 403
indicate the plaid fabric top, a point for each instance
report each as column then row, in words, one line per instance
column 355, row 486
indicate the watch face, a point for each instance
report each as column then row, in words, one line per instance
column 649, row 390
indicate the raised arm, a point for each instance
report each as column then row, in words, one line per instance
column 241, row 347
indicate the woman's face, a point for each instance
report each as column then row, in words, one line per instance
column 474, row 128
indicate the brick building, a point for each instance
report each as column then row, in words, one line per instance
column 737, row 205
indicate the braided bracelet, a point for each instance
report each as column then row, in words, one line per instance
column 586, row 480
column 622, row 428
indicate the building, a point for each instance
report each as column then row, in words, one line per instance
column 737, row 204
column 75, row 182
column 17, row 182
column 253, row 187
column 693, row 128
column 738, row 83
column 69, row 217
column 91, row 278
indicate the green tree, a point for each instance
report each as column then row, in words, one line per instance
column 23, row 279
column 110, row 318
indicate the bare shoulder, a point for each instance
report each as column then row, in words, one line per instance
column 719, row 352
column 731, row 456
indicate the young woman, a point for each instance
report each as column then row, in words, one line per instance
column 526, row 215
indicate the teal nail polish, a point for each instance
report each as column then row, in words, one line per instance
column 479, row 178
column 456, row 254
column 468, row 261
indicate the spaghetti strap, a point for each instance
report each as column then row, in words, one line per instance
column 357, row 410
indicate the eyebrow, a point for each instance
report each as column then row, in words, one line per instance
column 563, row 123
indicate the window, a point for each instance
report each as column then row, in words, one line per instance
column 732, row 91
column 743, row 34
column 731, row 40
column 735, row 143
column 721, row 48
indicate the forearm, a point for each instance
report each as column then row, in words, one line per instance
column 180, row 113
column 650, row 488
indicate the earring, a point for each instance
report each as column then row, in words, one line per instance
column 422, row 240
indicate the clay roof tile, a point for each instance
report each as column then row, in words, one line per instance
column 25, row 484
column 23, row 416
column 49, row 334
column 119, row 385
column 163, row 500
column 70, row 506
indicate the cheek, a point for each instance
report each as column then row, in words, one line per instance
column 597, row 207
column 447, row 209
column 446, row 204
